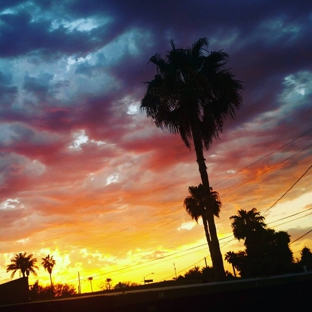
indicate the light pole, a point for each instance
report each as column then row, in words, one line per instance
column 147, row 280
column 90, row 279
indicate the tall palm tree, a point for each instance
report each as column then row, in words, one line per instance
column 195, row 206
column 23, row 262
column 192, row 94
column 48, row 263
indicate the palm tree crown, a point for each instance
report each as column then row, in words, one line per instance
column 247, row 223
column 23, row 262
column 192, row 87
column 231, row 258
column 192, row 94
column 195, row 203
column 48, row 263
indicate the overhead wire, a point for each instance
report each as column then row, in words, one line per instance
column 294, row 219
column 198, row 246
column 288, row 190
column 300, row 237
column 261, row 158
column 149, row 263
column 161, row 212
column 265, row 171
column 124, row 229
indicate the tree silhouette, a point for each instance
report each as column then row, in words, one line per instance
column 192, row 94
column 36, row 291
column 232, row 258
column 195, row 206
column 208, row 273
column 306, row 258
column 64, row 290
column 23, row 262
column 248, row 225
column 48, row 263
column 267, row 251
column 108, row 283
column 193, row 274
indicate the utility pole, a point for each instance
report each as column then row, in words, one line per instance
column 79, row 285
column 175, row 270
column 206, row 262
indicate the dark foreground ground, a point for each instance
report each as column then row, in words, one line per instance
column 287, row 292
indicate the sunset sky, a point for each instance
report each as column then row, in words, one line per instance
column 86, row 177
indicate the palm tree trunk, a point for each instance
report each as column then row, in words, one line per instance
column 215, row 251
column 234, row 269
column 52, row 289
column 207, row 233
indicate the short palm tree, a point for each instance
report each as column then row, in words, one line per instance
column 23, row 262
column 250, row 226
column 246, row 223
column 48, row 263
column 108, row 283
column 195, row 206
column 192, row 94
column 231, row 257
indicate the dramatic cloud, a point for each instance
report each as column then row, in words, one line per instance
column 87, row 177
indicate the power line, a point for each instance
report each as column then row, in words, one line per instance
column 140, row 266
column 269, row 154
column 293, row 220
column 124, row 229
column 288, row 189
column 170, row 255
column 235, row 188
column 225, row 194
column 293, row 140
column 300, row 237
column 183, row 270
column 295, row 214
column 232, row 236
column 129, row 227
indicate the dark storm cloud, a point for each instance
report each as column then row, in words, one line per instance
column 21, row 35
column 7, row 95
column 39, row 86
column 5, row 4
column 270, row 41
column 76, row 153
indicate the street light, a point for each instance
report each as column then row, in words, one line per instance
column 147, row 280
column 90, row 279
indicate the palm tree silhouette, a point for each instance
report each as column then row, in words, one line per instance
column 48, row 263
column 231, row 257
column 248, row 225
column 192, row 94
column 195, row 206
column 108, row 283
column 23, row 262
